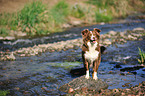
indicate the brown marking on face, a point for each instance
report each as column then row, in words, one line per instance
column 91, row 36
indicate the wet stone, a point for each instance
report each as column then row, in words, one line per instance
column 117, row 66
column 82, row 82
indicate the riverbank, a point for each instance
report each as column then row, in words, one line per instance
column 57, row 16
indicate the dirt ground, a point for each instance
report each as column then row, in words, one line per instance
column 10, row 6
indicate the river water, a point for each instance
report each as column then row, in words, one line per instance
column 72, row 33
column 45, row 73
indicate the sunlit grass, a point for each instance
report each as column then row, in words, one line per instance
column 36, row 18
column 4, row 31
column 3, row 93
column 142, row 56
column 78, row 11
column 101, row 17
column 58, row 15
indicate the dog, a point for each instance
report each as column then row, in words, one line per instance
column 91, row 53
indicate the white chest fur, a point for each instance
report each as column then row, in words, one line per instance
column 92, row 54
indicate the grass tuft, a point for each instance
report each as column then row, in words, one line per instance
column 78, row 11
column 58, row 13
column 3, row 93
column 4, row 31
column 28, row 17
column 142, row 56
column 100, row 17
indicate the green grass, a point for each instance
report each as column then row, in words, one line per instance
column 37, row 19
column 28, row 17
column 142, row 56
column 116, row 8
column 4, row 31
column 101, row 3
column 78, row 11
column 3, row 93
column 101, row 17
column 58, row 15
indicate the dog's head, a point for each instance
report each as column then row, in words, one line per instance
column 91, row 36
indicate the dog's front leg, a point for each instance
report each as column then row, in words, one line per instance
column 95, row 69
column 87, row 69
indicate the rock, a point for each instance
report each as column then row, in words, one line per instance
column 107, row 42
column 66, row 25
column 9, row 38
column 131, row 37
column 102, row 23
column 82, row 82
column 136, row 35
column 115, row 90
column 20, row 34
column 76, row 23
column 12, row 57
column 138, row 29
column 70, row 90
column 112, row 32
column 131, row 68
column 117, row 66
column 1, row 38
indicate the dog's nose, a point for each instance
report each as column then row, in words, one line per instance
column 93, row 38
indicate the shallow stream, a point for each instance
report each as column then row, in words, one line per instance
column 45, row 73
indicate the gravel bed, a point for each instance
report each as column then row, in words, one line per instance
column 107, row 39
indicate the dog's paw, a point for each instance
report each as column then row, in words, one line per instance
column 87, row 74
column 87, row 77
column 95, row 78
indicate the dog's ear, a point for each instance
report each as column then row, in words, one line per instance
column 84, row 32
column 98, row 30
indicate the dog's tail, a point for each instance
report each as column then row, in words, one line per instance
column 102, row 49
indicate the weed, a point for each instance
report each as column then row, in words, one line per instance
column 59, row 13
column 77, row 11
column 3, row 93
column 28, row 16
column 118, row 8
column 4, row 31
column 101, row 3
column 142, row 56
column 100, row 17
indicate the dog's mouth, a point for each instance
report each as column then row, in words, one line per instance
column 93, row 41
